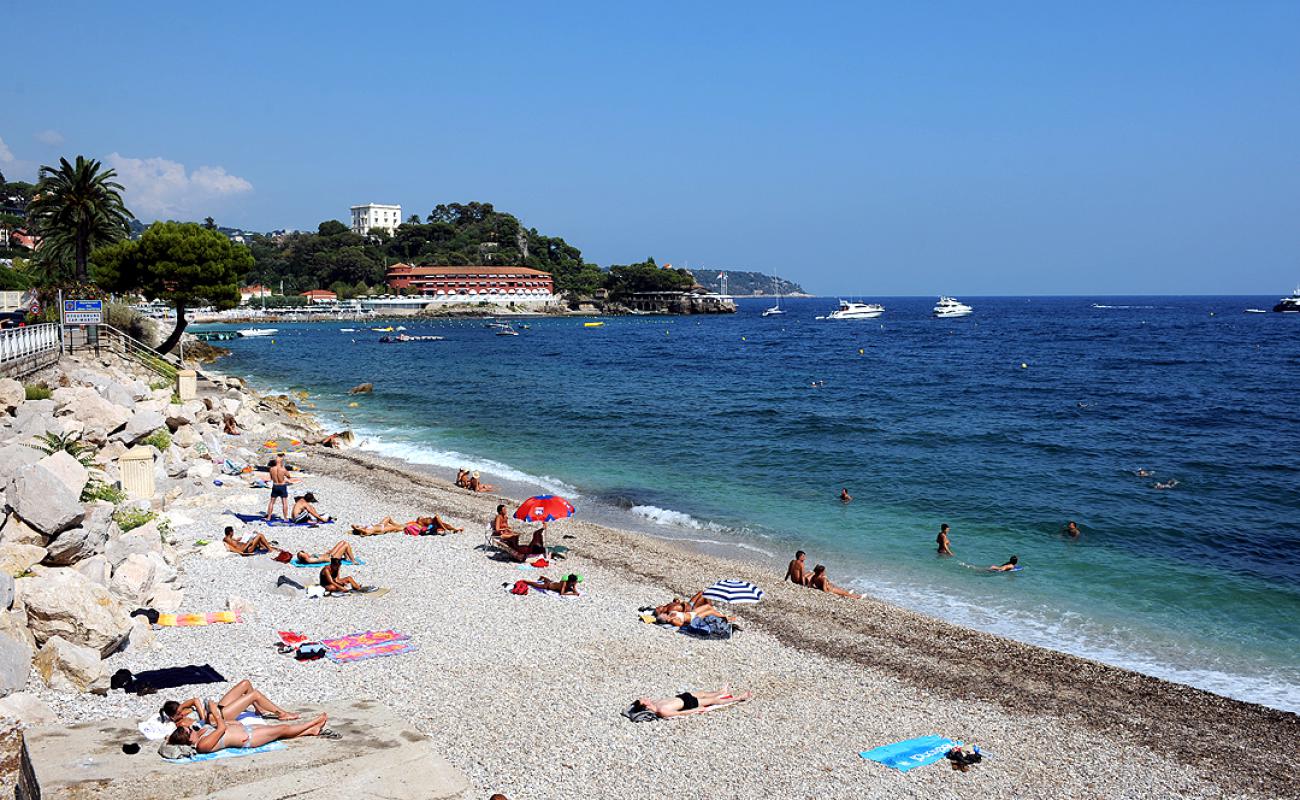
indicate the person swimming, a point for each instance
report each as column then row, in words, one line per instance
column 1072, row 529
column 845, row 497
column 1011, row 565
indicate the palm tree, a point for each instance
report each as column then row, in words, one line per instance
column 75, row 209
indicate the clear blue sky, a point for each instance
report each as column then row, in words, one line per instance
column 873, row 149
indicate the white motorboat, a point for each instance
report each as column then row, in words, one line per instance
column 258, row 331
column 949, row 307
column 506, row 330
column 1289, row 305
column 848, row 310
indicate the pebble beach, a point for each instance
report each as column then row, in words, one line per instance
column 523, row 693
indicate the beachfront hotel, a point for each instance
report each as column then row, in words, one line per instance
column 469, row 284
column 375, row 215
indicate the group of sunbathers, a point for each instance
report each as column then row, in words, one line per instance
column 470, row 480
column 420, row 526
column 508, row 540
column 678, row 612
column 212, row 725
column 797, row 573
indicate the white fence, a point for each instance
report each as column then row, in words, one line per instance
column 23, row 344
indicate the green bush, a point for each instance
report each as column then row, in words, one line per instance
column 160, row 439
column 161, row 383
column 37, row 391
column 96, row 490
column 129, row 519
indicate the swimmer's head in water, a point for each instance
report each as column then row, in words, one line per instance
column 1013, row 560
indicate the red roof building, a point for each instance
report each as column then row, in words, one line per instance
column 497, row 283
column 319, row 296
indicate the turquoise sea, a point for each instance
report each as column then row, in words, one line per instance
column 710, row 429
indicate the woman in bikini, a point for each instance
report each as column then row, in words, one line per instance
column 679, row 612
column 342, row 551
column 567, row 587
column 421, row 526
column 688, row 702
column 241, row 697
column 218, row 735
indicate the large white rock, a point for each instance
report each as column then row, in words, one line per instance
column 98, row 416
column 65, row 603
column 185, row 436
column 67, row 469
column 199, row 469
column 88, row 539
column 17, row 558
column 134, row 579
column 68, row 667
column 141, row 424
column 145, row 539
column 96, row 569
column 167, row 598
column 15, row 655
column 6, row 591
column 15, row 531
column 14, row 457
column 27, row 709
column 142, row 636
column 12, row 394
column 43, row 500
column 214, row 550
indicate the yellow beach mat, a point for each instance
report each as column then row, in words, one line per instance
column 192, row 620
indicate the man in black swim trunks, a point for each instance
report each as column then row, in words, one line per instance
column 279, row 487
column 687, row 702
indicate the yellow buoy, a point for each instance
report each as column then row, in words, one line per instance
column 353, row 404
column 1023, row 365
column 861, row 352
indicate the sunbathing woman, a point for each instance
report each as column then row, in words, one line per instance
column 385, row 525
column 680, row 612
column 304, row 511
column 688, row 702
column 567, row 587
column 219, row 735
column 474, row 485
column 241, row 697
column 430, row 526
column 255, row 546
column 342, row 551
column 519, row 552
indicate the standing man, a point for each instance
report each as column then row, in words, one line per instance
column 279, row 487
column 795, row 572
column 942, row 540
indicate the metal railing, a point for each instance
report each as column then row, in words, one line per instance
column 18, row 344
column 124, row 344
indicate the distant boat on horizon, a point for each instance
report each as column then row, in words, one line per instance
column 851, row 310
column 258, row 331
column 1289, row 305
column 775, row 310
column 951, row 307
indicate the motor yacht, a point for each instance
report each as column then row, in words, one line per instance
column 848, row 310
column 948, row 307
column 1289, row 305
column 258, row 331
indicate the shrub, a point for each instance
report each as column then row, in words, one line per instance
column 70, row 443
column 161, row 383
column 97, row 490
column 160, row 439
column 129, row 519
column 37, row 391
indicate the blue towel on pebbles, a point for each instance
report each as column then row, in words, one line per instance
column 346, row 562
column 912, row 753
column 277, row 521
column 232, row 752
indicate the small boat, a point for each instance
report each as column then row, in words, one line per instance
column 347, row 330
column 776, row 310
column 400, row 327
column 506, row 330
column 950, row 307
column 388, row 329
column 258, row 331
column 849, row 310
column 1257, row 311
column 593, row 324
column 402, row 337
column 1289, row 305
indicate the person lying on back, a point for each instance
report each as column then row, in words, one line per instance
column 342, row 550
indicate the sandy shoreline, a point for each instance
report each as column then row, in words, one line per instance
column 524, row 693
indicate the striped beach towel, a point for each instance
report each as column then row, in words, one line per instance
column 192, row 620
column 367, row 645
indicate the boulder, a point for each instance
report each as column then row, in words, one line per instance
column 117, row 394
column 363, row 388
column 110, row 453
column 6, row 591
column 138, row 541
column 98, row 416
column 14, row 625
column 12, row 395
column 44, row 500
column 15, row 531
column 141, row 424
column 67, row 604
column 27, row 709
column 167, row 598
column 15, row 558
column 13, row 457
column 134, row 579
column 15, row 658
column 96, row 569
column 68, row 667
column 88, row 539
column 199, row 469
column 214, row 550
column 67, row 469
column 176, row 423
column 142, row 636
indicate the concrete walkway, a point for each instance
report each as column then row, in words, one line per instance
column 380, row 756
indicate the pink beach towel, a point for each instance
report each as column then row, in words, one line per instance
column 365, row 639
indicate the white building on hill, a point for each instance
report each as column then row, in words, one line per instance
column 375, row 215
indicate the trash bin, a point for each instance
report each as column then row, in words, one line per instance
column 186, row 385
column 135, row 467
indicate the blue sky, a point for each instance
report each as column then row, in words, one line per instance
column 873, row 149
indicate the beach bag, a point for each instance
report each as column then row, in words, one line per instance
column 176, row 752
column 639, row 714
column 708, row 628
column 413, row 530
column 283, row 556
column 520, row 587
column 310, row 651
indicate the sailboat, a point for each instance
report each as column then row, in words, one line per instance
column 775, row 310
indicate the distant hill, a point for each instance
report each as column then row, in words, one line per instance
column 741, row 282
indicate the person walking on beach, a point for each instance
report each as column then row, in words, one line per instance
column 942, row 540
column 820, row 581
column 279, row 487
column 795, row 573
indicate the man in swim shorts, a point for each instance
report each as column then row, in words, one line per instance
column 688, row 702
column 279, row 487
column 795, row 572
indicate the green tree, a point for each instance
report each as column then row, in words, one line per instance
column 209, row 223
column 77, row 207
column 332, row 227
column 646, row 277
column 180, row 263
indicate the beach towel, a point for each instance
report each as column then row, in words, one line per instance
column 230, row 752
column 549, row 593
column 192, row 620
column 367, row 645
column 377, row 591
column 911, row 753
column 166, row 678
column 364, row 639
column 278, row 521
column 346, row 562
column 364, row 653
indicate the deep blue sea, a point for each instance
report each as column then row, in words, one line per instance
column 710, row 429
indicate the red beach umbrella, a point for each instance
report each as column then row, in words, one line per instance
column 544, row 508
